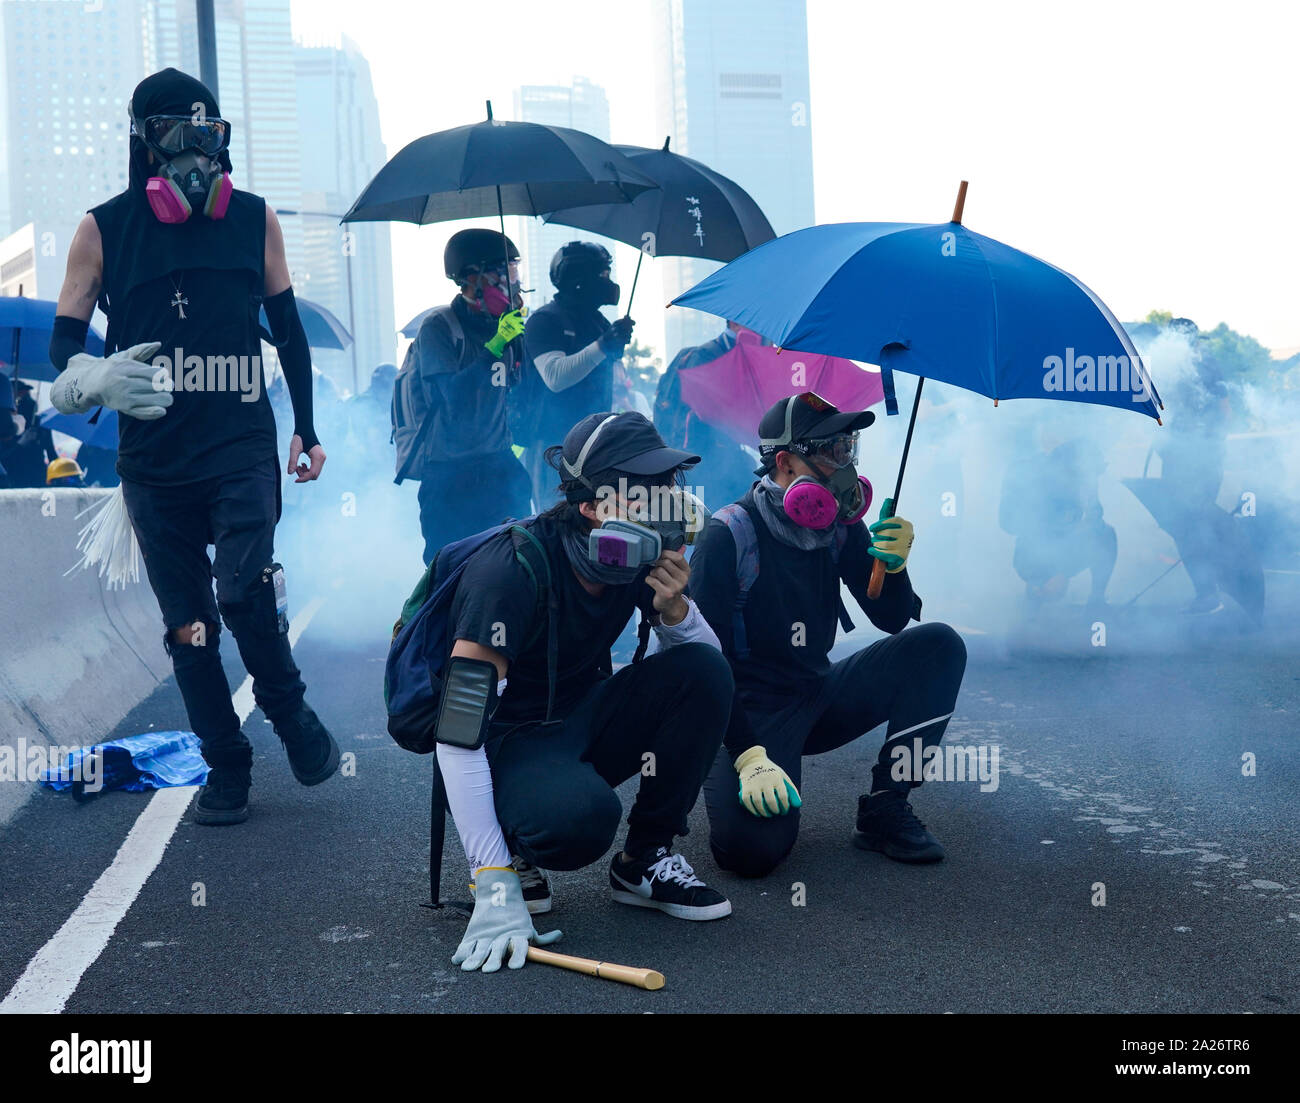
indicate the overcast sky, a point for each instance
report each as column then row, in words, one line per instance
column 1148, row 148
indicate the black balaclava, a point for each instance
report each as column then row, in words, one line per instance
column 169, row 92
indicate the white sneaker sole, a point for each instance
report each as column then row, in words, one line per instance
column 677, row 911
column 539, row 907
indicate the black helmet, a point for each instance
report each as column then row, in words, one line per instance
column 577, row 262
column 475, row 249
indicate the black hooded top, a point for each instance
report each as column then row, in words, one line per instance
column 218, row 266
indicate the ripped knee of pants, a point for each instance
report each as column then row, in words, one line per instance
column 188, row 638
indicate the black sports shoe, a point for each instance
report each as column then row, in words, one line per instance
column 224, row 797
column 665, row 881
column 887, row 823
column 537, row 889
column 313, row 754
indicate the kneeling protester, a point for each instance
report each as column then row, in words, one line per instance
column 534, row 728
column 767, row 576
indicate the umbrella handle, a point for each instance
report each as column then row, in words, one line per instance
column 877, row 579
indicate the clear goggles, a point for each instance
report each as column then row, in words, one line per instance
column 838, row 451
column 174, row 134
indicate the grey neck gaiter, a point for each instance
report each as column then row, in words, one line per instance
column 769, row 497
column 575, row 547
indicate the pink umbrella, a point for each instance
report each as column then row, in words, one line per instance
column 734, row 391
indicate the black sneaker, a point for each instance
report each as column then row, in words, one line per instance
column 313, row 754
column 224, row 798
column 537, row 889
column 665, row 881
column 887, row 823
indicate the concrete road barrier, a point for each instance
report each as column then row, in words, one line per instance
column 75, row 657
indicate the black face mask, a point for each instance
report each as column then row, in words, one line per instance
column 600, row 291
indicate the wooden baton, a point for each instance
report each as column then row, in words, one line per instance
column 624, row 974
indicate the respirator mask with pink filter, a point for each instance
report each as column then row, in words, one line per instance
column 814, row 502
column 188, row 175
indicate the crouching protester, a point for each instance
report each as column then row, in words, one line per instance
column 536, row 729
column 181, row 262
column 766, row 575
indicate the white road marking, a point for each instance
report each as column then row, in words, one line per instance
column 52, row 976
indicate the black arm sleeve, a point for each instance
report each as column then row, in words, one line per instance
column 290, row 341
column 67, row 339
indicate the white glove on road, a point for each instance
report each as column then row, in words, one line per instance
column 122, row 382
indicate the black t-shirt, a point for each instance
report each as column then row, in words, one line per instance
column 792, row 611
column 196, row 287
column 561, row 327
column 496, row 606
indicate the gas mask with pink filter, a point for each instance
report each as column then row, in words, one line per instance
column 814, row 502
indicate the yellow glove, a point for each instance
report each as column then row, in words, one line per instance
column 509, row 326
column 765, row 789
column 891, row 539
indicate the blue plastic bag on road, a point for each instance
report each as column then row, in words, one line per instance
column 152, row 760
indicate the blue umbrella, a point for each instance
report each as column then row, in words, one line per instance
column 323, row 329
column 102, row 434
column 25, row 328
column 937, row 301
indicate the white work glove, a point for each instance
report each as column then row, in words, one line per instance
column 500, row 924
column 123, row 382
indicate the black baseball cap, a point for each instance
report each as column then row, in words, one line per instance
column 626, row 443
column 807, row 416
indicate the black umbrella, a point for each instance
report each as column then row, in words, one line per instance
column 497, row 167
column 695, row 212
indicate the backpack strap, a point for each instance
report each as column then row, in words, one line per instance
column 533, row 557
column 837, row 547
column 741, row 526
column 649, row 618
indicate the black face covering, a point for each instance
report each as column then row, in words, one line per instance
column 169, row 92
column 593, row 293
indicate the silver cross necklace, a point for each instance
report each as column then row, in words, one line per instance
column 179, row 301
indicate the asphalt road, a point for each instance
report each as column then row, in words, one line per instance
column 1117, row 767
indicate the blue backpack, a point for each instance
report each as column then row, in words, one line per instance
column 421, row 643
column 740, row 523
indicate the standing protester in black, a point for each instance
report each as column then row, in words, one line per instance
column 791, row 700
column 571, row 352
column 466, row 357
column 181, row 262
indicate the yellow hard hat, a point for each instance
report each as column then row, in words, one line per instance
column 62, row 468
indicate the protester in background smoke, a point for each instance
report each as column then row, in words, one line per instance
column 571, row 352
column 449, row 409
column 20, row 444
column 1051, row 506
column 1192, row 453
column 25, row 404
column 729, row 466
column 180, row 260
column 767, row 577
column 541, row 795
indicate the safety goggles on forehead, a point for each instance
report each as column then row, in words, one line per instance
column 174, row 134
